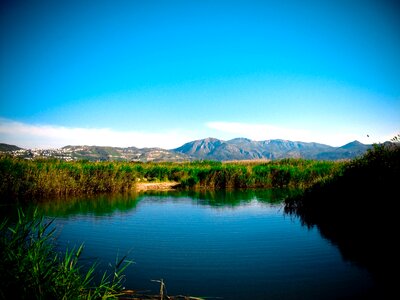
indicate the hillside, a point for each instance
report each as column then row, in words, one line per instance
column 123, row 154
column 8, row 148
column 245, row 149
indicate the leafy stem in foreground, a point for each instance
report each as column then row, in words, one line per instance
column 32, row 269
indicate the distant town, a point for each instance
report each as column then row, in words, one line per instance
column 96, row 153
column 62, row 153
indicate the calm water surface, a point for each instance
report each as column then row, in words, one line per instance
column 237, row 245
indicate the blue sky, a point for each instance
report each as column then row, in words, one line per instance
column 161, row 73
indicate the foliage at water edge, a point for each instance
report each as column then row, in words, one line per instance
column 32, row 269
column 27, row 179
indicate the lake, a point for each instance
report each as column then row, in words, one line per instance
column 222, row 245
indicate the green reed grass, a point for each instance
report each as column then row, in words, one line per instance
column 41, row 178
column 32, row 269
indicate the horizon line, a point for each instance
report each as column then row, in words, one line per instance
column 156, row 147
column 42, row 136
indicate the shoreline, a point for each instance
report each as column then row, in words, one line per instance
column 156, row 186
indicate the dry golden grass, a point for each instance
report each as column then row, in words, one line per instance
column 155, row 186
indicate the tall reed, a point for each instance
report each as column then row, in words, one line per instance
column 54, row 178
column 32, row 269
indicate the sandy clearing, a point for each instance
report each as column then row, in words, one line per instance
column 156, row 186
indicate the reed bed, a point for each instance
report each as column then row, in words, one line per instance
column 27, row 179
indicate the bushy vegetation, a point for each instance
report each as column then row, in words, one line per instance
column 367, row 179
column 32, row 269
column 295, row 173
column 357, row 211
column 45, row 178
column 41, row 178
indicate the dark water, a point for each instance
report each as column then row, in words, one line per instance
column 229, row 245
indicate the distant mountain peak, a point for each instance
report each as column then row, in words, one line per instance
column 200, row 148
column 353, row 144
column 207, row 140
column 240, row 139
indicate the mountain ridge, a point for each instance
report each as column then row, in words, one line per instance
column 8, row 147
column 246, row 149
column 210, row 148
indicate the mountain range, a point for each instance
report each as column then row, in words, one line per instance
column 246, row 149
column 204, row 149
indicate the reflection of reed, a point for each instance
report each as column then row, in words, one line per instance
column 108, row 204
column 356, row 212
column 99, row 205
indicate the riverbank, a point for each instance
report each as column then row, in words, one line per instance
column 156, row 186
column 37, row 179
column 356, row 211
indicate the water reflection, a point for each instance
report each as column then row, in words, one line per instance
column 99, row 206
column 357, row 220
column 228, row 244
column 108, row 204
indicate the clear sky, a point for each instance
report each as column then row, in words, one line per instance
column 161, row 73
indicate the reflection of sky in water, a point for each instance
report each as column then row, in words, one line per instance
column 201, row 249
